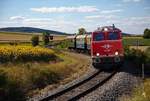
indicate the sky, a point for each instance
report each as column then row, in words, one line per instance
column 131, row 16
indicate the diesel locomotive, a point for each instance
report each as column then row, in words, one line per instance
column 104, row 45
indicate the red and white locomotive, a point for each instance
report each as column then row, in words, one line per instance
column 104, row 45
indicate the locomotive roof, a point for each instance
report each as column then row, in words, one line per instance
column 109, row 29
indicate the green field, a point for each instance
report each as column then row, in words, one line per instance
column 133, row 41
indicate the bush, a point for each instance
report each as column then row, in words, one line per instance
column 46, row 38
column 35, row 40
column 136, row 55
column 13, row 43
column 63, row 44
column 25, row 54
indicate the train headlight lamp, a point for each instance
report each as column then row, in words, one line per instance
column 97, row 54
column 105, row 29
column 116, row 53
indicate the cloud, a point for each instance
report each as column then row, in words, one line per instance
column 37, row 20
column 48, row 23
column 135, row 24
column 99, row 16
column 93, row 17
column 18, row 18
column 80, row 9
column 111, row 11
column 132, row 0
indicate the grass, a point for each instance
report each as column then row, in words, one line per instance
column 132, row 41
column 141, row 93
column 19, row 80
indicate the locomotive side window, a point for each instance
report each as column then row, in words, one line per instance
column 112, row 36
column 98, row 37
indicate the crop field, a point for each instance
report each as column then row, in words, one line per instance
column 23, row 37
column 24, row 54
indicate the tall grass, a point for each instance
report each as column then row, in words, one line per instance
column 141, row 93
column 17, row 80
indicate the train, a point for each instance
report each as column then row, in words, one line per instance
column 104, row 45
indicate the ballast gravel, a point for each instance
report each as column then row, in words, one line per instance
column 120, row 85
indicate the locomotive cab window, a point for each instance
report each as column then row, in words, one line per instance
column 112, row 36
column 98, row 37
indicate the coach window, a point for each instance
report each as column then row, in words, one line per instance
column 112, row 36
column 98, row 37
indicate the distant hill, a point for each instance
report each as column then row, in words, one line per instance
column 30, row 30
column 39, row 30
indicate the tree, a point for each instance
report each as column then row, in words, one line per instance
column 46, row 38
column 35, row 40
column 146, row 33
column 81, row 31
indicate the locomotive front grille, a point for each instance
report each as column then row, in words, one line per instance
column 107, row 60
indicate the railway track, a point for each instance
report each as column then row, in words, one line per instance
column 81, row 88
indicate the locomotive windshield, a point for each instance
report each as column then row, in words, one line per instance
column 112, row 36
column 98, row 37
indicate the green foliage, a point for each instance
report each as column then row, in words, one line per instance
column 81, row 31
column 35, row 40
column 63, row 44
column 137, row 56
column 46, row 38
column 146, row 33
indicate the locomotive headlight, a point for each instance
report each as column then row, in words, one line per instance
column 105, row 29
column 97, row 54
column 116, row 53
